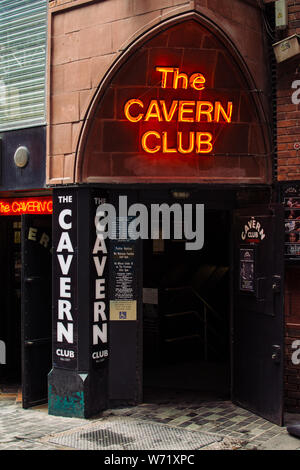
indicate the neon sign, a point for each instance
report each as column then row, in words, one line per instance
column 38, row 205
column 185, row 111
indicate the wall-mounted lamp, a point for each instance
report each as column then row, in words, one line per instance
column 287, row 48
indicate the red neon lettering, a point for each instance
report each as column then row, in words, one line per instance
column 147, row 149
column 198, row 111
column 165, row 148
column 207, row 112
column 183, row 111
column 5, row 208
column 15, row 207
column 23, row 207
column 41, row 205
column 191, row 143
column 153, row 111
column 168, row 115
column 204, row 139
column 180, row 76
column 164, row 71
column 220, row 110
column 197, row 81
column 37, row 205
column 188, row 111
column 127, row 110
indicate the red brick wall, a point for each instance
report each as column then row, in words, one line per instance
column 288, row 116
column 288, row 131
column 292, row 371
column 292, row 333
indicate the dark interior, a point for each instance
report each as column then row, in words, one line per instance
column 10, row 299
column 35, row 359
column 186, row 327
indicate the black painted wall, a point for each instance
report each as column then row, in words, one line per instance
column 32, row 176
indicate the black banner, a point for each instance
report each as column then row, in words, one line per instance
column 99, row 314
column 65, row 338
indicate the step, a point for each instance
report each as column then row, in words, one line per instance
column 181, row 338
column 179, row 314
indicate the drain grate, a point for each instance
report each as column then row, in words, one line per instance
column 119, row 433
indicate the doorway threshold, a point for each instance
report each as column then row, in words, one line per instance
column 9, row 391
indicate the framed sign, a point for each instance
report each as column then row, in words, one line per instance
column 247, row 270
column 123, row 273
column 291, row 202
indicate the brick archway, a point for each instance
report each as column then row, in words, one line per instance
column 110, row 148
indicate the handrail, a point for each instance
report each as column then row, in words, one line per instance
column 206, row 307
column 198, row 296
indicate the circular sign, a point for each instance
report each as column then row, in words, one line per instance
column 21, row 157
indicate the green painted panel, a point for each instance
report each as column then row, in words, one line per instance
column 71, row 405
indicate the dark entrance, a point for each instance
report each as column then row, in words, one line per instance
column 213, row 319
column 25, row 319
column 186, row 306
column 10, row 299
column 36, row 307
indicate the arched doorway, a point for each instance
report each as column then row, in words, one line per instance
column 112, row 148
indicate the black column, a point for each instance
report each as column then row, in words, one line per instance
column 125, row 327
column 77, row 383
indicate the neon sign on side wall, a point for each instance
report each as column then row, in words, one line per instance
column 38, row 205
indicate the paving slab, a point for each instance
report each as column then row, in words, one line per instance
column 284, row 441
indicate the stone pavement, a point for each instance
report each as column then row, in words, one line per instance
column 23, row 429
column 33, row 428
column 220, row 417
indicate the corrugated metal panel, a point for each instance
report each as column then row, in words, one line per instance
column 23, row 38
